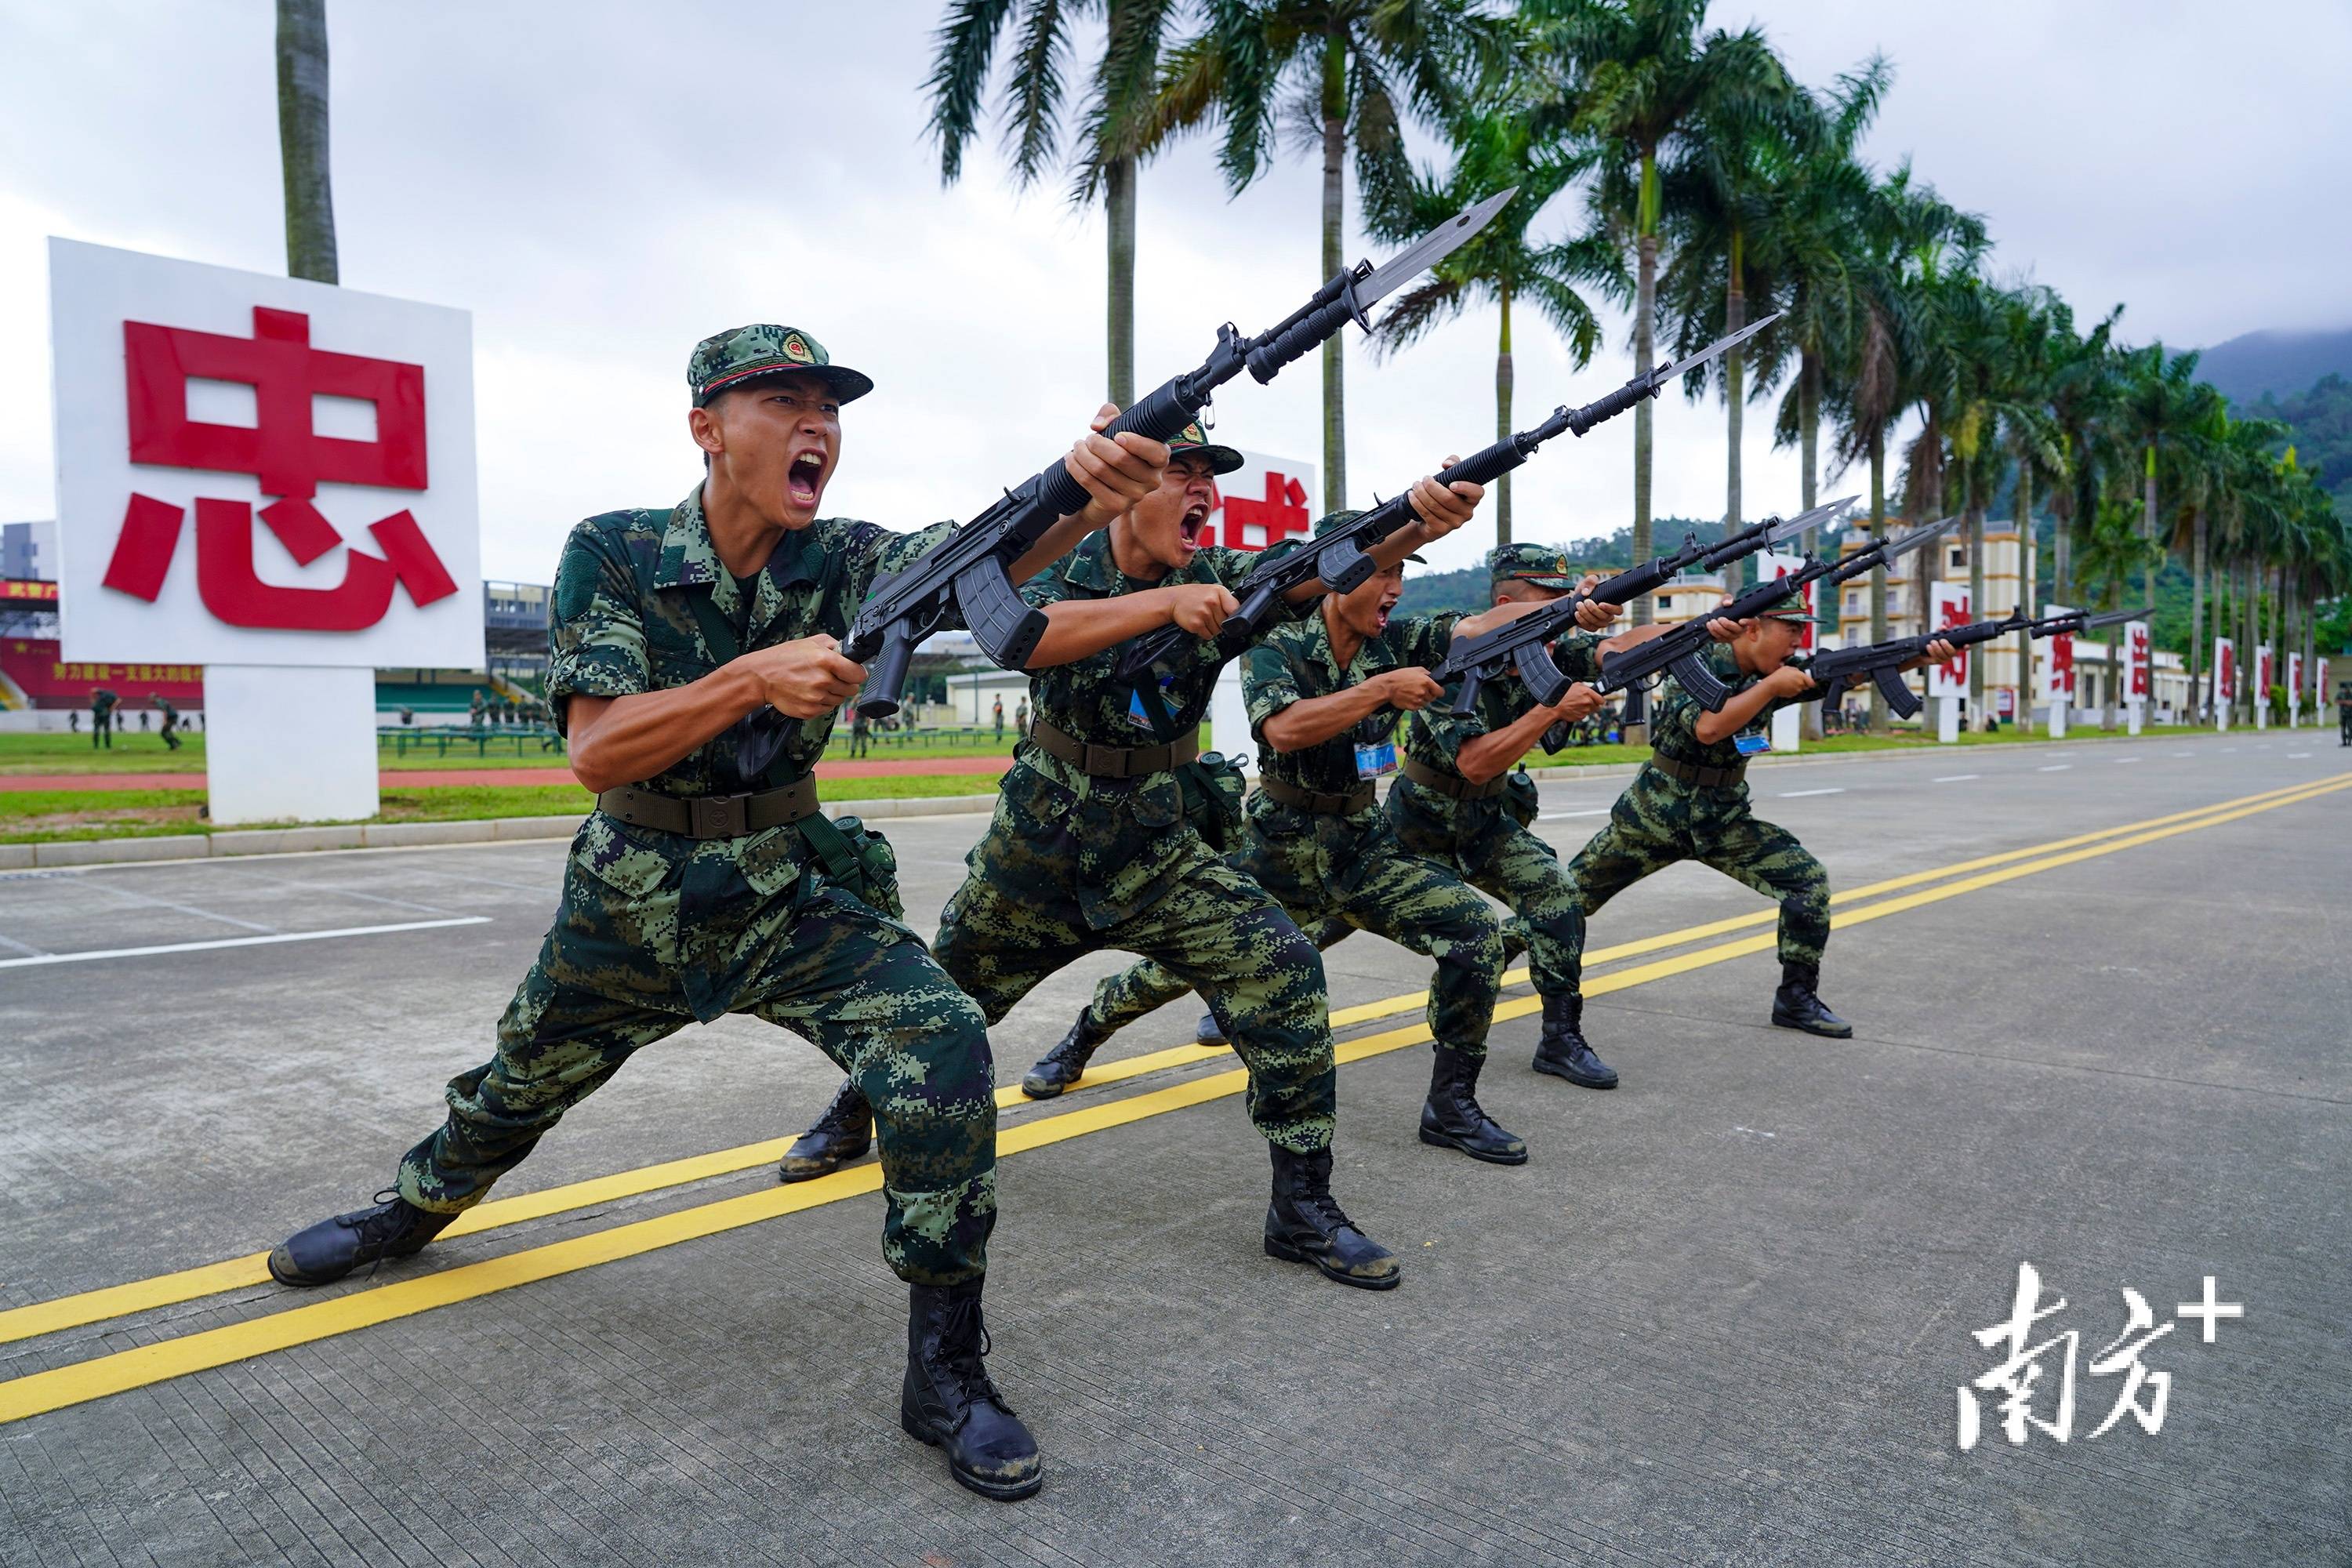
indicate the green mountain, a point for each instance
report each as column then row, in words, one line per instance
column 2321, row 420
column 2261, row 364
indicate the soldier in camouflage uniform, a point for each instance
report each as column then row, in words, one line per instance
column 1107, row 833
column 1458, row 801
column 1323, row 697
column 694, row 891
column 1689, row 802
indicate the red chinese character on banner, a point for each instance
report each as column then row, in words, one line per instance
column 2062, row 665
column 1281, row 513
column 289, row 458
column 1954, row 613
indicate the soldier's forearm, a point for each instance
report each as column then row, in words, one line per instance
column 1491, row 755
column 617, row 741
column 1735, row 715
column 1312, row 721
column 1078, row 628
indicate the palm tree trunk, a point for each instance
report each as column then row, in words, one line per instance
column 1335, row 156
column 2027, row 567
column 1503, row 419
column 1645, row 303
column 302, row 140
column 1809, row 440
column 1976, row 606
column 1809, row 431
column 1735, row 316
column 1877, row 578
column 2197, row 703
column 1118, row 200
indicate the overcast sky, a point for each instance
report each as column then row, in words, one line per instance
column 601, row 185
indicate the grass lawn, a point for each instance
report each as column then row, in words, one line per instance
column 43, row 817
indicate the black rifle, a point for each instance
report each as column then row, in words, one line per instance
column 1678, row 647
column 1526, row 642
column 1835, row 671
column 1338, row 557
column 968, row 573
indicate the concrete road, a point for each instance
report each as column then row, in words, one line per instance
column 1722, row 1316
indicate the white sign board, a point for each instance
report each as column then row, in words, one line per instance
column 2225, row 671
column 1947, row 604
column 2139, row 667
column 1265, row 501
column 2295, row 686
column 260, row 470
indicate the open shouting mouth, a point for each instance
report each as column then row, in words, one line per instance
column 1195, row 519
column 805, row 480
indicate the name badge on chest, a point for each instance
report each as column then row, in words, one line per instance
column 1752, row 745
column 1371, row 762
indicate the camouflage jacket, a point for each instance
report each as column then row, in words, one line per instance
column 1295, row 663
column 1114, row 839
column 623, row 623
column 1674, row 727
column 1434, row 823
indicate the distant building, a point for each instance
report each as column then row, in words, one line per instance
column 29, row 551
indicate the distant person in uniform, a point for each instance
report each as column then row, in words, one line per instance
column 2344, row 713
column 170, row 721
column 1021, row 717
column 998, row 708
column 861, row 734
column 478, row 714
column 101, row 718
column 73, row 721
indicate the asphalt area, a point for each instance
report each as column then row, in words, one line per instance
column 2101, row 995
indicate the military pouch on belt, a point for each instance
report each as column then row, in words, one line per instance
column 857, row 861
column 1214, row 789
column 1520, row 797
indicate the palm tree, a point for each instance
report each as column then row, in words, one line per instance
column 1636, row 78
column 1742, row 212
column 1494, row 150
column 302, row 140
column 1343, row 75
column 1112, row 136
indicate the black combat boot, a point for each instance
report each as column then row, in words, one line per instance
column 948, row 1402
column 331, row 1248
column 1304, row 1224
column 1209, row 1032
column 841, row 1133
column 1060, row 1067
column 1562, row 1051
column 1451, row 1117
column 1795, row 1006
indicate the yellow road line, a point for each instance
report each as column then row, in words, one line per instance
column 122, row 1371
column 250, row 1271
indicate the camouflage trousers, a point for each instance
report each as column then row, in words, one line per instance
column 1212, row 931
column 1333, row 877
column 1658, row 821
column 620, row 970
column 1489, row 850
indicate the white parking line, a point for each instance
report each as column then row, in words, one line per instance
column 1794, row 794
column 1958, row 778
column 2292, row 755
column 150, row 899
column 239, row 941
column 2126, row 759
column 1562, row 816
column 13, row 945
column 2180, row 753
column 2054, row 768
column 250, row 873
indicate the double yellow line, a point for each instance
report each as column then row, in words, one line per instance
column 114, row 1372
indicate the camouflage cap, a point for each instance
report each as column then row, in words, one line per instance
column 1538, row 564
column 1193, row 439
column 1331, row 520
column 731, row 358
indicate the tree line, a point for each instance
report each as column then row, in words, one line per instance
column 1683, row 172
